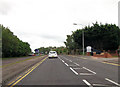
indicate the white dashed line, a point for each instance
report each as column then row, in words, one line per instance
column 70, row 60
column 112, row 81
column 66, row 64
column 74, row 71
column 86, row 82
column 85, row 74
column 60, row 58
column 90, row 70
column 65, row 58
column 77, row 68
column 63, row 61
column 71, row 65
column 76, row 64
column 100, row 85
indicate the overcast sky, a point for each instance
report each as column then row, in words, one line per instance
column 47, row 22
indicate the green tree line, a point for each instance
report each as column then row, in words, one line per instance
column 12, row 46
column 59, row 50
column 98, row 36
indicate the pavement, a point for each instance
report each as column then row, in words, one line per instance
column 114, row 60
column 82, row 71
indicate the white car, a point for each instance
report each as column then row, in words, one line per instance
column 52, row 54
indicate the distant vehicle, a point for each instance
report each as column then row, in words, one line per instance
column 52, row 54
column 97, row 51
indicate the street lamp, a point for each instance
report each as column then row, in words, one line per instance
column 82, row 37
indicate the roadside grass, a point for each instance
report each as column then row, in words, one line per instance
column 19, row 57
column 14, row 57
column 18, row 61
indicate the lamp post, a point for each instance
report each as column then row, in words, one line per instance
column 82, row 37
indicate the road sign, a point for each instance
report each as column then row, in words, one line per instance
column 88, row 48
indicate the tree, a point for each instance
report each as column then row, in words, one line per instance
column 99, row 36
column 12, row 46
column 71, row 45
column 59, row 50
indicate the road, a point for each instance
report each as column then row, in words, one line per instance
column 69, row 70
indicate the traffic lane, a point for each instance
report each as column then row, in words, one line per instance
column 102, row 71
column 87, row 76
column 101, row 68
column 51, row 72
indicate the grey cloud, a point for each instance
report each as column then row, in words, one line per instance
column 44, row 36
column 53, row 37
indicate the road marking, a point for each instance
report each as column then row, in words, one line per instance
column 21, row 75
column 70, row 60
column 66, row 64
column 74, row 71
column 89, row 70
column 77, row 68
column 72, row 65
column 86, row 82
column 13, row 83
column 6, row 65
column 100, row 85
column 59, row 58
column 76, row 64
column 63, row 61
column 85, row 74
column 65, row 58
column 111, row 63
column 112, row 81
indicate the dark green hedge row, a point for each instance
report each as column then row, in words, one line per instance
column 99, row 36
column 12, row 46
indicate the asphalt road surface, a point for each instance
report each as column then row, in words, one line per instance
column 69, row 70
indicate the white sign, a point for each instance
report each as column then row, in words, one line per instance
column 88, row 48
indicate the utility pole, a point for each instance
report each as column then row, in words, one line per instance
column 82, row 37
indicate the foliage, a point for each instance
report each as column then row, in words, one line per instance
column 59, row 50
column 71, row 44
column 12, row 46
column 99, row 36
